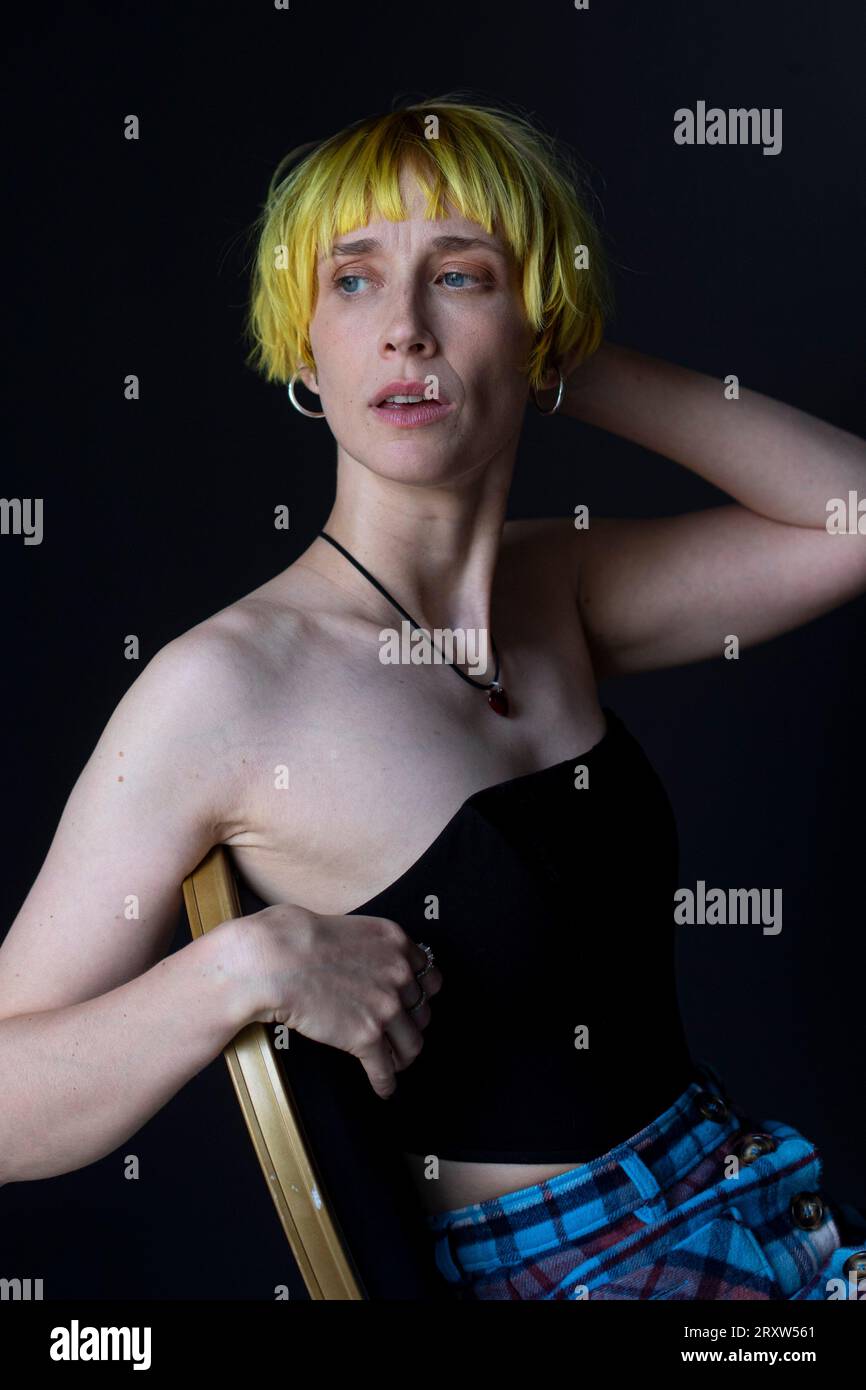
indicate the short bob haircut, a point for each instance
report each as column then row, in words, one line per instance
column 494, row 166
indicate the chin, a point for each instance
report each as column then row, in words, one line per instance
column 421, row 467
column 409, row 458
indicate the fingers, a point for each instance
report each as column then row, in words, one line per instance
column 401, row 1042
column 378, row 1063
column 402, row 1038
column 405, row 1035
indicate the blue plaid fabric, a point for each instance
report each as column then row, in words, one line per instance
column 702, row 1203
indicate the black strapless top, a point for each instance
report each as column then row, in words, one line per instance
column 549, row 907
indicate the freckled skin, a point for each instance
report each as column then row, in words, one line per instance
column 403, row 316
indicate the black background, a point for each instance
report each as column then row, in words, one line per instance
column 130, row 257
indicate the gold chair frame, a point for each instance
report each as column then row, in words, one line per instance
column 271, row 1114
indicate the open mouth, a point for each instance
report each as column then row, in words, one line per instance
column 402, row 400
column 411, row 410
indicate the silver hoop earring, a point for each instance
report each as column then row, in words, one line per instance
column 559, row 395
column 313, row 414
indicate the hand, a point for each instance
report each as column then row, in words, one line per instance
column 346, row 980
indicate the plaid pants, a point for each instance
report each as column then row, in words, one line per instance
column 668, row 1214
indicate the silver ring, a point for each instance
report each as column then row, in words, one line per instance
column 431, row 960
column 422, row 1000
column 313, row 414
column 559, row 395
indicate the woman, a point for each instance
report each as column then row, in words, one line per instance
column 410, row 829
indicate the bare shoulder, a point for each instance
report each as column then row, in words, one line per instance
column 251, row 640
column 234, row 644
column 215, row 685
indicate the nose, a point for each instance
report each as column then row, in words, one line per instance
column 406, row 332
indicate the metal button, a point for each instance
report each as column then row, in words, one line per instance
column 855, row 1263
column 753, row 1146
column 807, row 1209
column 711, row 1106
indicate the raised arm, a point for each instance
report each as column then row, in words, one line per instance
column 672, row 589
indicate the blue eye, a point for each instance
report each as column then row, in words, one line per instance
column 349, row 292
column 342, row 278
column 465, row 273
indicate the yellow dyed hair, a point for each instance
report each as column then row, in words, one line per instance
column 492, row 165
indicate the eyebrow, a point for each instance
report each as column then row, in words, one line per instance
column 366, row 245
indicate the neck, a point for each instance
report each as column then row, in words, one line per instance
column 434, row 547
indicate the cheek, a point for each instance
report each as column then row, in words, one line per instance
column 331, row 356
column 508, row 358
column 318, row 335
column 509, row 337
column 501, row 339
column 324, row 327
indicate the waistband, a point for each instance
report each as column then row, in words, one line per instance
column 631, row 1177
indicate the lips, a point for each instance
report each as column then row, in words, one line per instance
column 405, row 388
column 413, row 415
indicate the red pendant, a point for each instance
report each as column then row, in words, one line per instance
column 498, row 700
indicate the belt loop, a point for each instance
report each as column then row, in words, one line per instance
column 644, row 1179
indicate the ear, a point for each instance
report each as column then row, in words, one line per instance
column 550, row 379
column 308, row 377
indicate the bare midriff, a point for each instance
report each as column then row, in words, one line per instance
column 460, row 1183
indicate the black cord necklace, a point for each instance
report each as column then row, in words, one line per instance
column 496, row 696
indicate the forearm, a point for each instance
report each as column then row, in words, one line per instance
column 77, row 1081
column 772, row 458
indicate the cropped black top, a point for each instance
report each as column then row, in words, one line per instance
column 549, row 906
column 548, row 901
